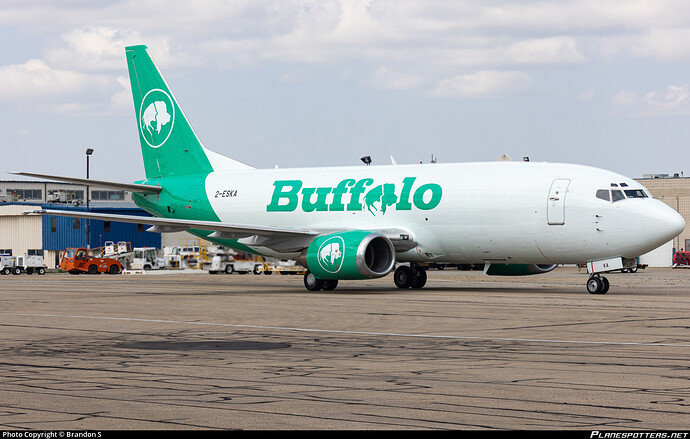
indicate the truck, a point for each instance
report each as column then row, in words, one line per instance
column 146, row 258
column 17, row 264
column 228, row 265
column 78, row 260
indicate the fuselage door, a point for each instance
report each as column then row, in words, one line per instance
column 555, row 209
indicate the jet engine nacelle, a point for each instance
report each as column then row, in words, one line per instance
column 355, row 254
column 517, row 269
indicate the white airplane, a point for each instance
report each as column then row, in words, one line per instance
column 515, row 218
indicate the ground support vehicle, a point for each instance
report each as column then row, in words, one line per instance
column 228, row 265
column 146, row 258
column 681, row 259
column 78, row 260
column 8, row 265
column 17, row 264
column 284, row 266
column 31, row 264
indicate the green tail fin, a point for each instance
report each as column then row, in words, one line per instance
column 168, row 143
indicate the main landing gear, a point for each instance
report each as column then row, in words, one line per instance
column 409, row 277
column 314, row 284
column 597, row 284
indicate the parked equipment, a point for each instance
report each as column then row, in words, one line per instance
column 78, row 260
column 681, row 259
column 17, row 264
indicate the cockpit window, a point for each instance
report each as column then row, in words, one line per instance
column 624, row 184
column 635, row 193
column 617, row 195
column 603, row 194
column 614, row 185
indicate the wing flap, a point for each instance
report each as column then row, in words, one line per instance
column 163, row 225
column 129, row 187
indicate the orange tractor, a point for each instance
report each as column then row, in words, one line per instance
column 78, row 260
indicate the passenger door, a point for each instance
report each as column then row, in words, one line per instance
column 555, row 208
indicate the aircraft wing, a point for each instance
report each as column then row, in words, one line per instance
column 280, row 239
column 130, row 187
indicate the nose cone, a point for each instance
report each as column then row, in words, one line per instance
column 662, row 224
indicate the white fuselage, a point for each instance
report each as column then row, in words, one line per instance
column 509, row 212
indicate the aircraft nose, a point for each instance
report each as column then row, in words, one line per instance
column 663, row 224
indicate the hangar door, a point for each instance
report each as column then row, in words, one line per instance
column 555, row 209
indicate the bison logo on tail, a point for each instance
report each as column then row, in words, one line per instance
column 156, row 113
column 157, row 117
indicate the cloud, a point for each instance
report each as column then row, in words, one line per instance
column 673, row 100
column 486, row 83
column 36, row 81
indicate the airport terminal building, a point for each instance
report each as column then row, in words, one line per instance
column 48, row 236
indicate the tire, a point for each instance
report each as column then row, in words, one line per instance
column 267, row 272
column 403, row 277
column 605, row 286
column 257, row 269
column 29, row 271
column 330, row 285
column 41, row 271
column 16, row 271
column 311, row 282
column 5, row 271
column 419, row 279
column 229, row 269
column 113, row 269
column 93, row 269
column 596, row 285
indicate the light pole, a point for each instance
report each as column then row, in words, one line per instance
column 89, row 151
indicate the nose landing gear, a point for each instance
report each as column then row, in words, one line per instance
column 597, row 284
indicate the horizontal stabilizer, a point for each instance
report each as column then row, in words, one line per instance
column 129, row 187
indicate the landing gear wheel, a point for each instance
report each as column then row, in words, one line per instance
column 597, row 285
column 419, row 279
column 311, row 282
column 403, row 276
column 605, row 288
column 329, row 285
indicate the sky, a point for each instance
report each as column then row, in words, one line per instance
column 304, row 83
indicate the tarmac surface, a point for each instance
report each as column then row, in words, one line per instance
column 470, row 352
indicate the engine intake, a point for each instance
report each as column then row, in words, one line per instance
column 356, row 254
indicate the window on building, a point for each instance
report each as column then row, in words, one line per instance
column 106, row 226
column 6, row 252
column 107, row 195
column 35, row 252
column 76, row 223
column 53, row 224
column 140, row 227
column 25, row 194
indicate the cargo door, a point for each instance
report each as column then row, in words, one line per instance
column 555, row 209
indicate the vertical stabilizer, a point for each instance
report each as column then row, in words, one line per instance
column 168, row 143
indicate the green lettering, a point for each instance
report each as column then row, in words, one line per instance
column 436, row 193
column 320, row 204
column 356, row 193
column 404, row 202
column 337, row 204
column 279, row 193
